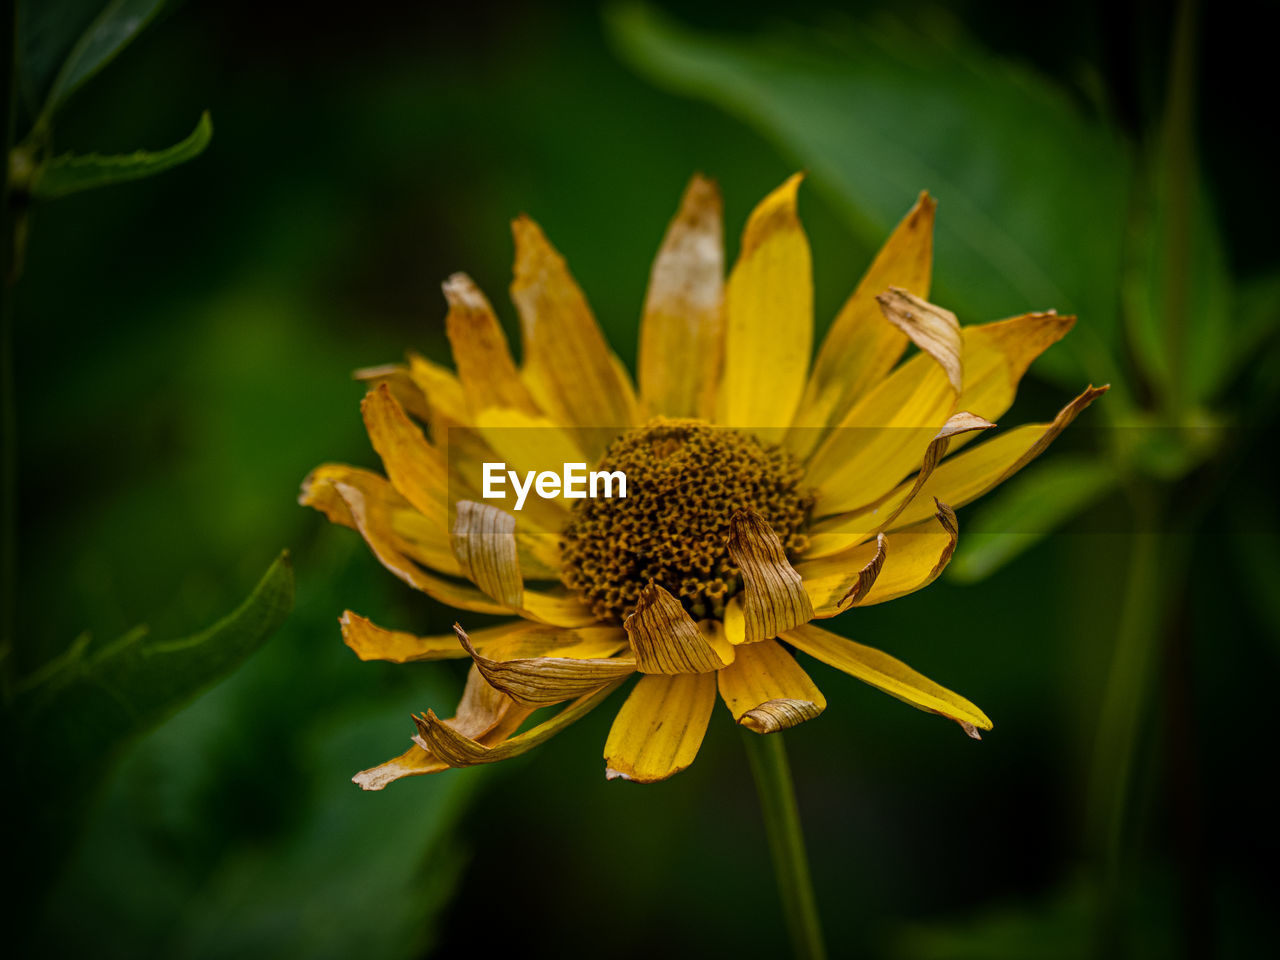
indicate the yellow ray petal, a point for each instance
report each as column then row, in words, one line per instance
column 914, row 557
column 445, row 397
column 414, row 467
column 682, row 331
column 767, row 691
column 525, row 443
column 556, row 606
column 371, row 516
column 539, row 681
column 769, row 319
column 483, row 712
column 372, row 642
column 568, row 367
column 996, row 355
column 409, row 532
column 861, row 348
column 842, row 531
column 931, row 328
column 401, row 384
column 666, row 640
column 773, row 593
column 539, row 640
column 459, row 750
column 480, row 351
column 888, row 674
column 659, row 729
column 484, row 541
column 966, row 476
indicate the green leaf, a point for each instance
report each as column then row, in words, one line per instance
column 70, row 719
column 1031, row 193
column 113, row 29
column 1026, row 509
column 71, row 173
column 47, row 30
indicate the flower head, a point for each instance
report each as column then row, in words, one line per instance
column 766, row 493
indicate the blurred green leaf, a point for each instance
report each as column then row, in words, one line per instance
column 878, row 113
column 113, row 29
column 73, row 716
column 1025, row 510
column 47, row 30
column 71, row 173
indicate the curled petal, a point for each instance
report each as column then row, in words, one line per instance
column 415, row 468
column 774, row 598
column 457, row 749
column 847, row 530
column 965, row 477
column 769, row 319
column 480, row 351
column 659, row 729
column 682, row 332
column 542, row 680
column 931, row 328
column 483, row 713
column 484, row 541
column 667, row 640
column 888, row 674
column 767, row 691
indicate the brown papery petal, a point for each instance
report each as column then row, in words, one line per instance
column 372, row 642
column 667, row 640
column 868, row 575
column 774, row 597
column 931, row 328
column 542, row 680
column 484, row 541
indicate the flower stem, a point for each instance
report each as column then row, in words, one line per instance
column 768, row 757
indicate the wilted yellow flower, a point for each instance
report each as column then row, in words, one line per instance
column 764, row 494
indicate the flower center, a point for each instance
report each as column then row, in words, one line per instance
column 685, row 479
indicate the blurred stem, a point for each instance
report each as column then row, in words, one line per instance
column 1176, row 146
column 768, row 757
column 8, row 391
column 1155, row 562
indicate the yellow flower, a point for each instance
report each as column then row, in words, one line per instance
column 765, row 494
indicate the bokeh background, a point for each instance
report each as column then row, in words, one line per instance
column 184, row 349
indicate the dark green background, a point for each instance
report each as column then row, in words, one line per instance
column 185, row 347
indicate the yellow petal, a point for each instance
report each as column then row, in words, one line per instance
column 682, row 331
column 408, row 531
column 372, row 519
column 483, row 712
column 459, row 750
column 569, row 368
column 401, row 384
column 525, row 443
column 480, row 351
column 966, row 476
column 666, row 640
column 996, row 355
column 914, row 557
column 774, row 598
column 833, row 534
column 556, row 606
column 445, row 397
column 888, row 674
column 414, row 467
column 931, row 328
column 372, row 642
column 484, row 541
column 659, row 729
column 539, row 640
column 767, row 691
column 883, row 438
column 769, row 319
column 861, row 348
column 542, row 680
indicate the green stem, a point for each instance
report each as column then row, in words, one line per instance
column 772, row 774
